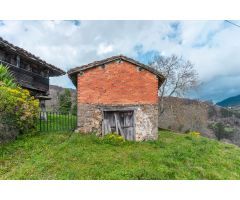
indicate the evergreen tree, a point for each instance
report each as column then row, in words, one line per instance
column 65, row 102
column 74, row 109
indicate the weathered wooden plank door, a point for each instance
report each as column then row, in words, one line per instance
column 121, row 122
column 127, row 124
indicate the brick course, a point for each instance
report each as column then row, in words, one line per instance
column 117, row 83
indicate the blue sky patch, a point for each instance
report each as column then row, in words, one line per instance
column 145, row 57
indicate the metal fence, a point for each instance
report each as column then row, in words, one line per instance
column 56, row 121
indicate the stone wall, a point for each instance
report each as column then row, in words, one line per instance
column 90, row 117
column 7, row 132
column 184, row 115
column 146, row 120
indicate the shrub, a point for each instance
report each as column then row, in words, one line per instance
column 65, row 101
column 191, row 135
column 194, row 134
column 221, row 131
column 6, row 77
column 74, row 109
column 187, row 131
column 113, row 139
column 18, row 108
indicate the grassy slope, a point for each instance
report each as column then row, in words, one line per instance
column 173, row 156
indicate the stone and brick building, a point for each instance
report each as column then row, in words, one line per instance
column 117, row 94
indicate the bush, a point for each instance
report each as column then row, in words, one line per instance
column 221, row 131
column 65, row 101
column 6, row 77
column 194, row 134
column 74, row 109
column 191, row 135
column 18, row 108
column 113, row 139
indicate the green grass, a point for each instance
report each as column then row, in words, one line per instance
column 57, row 122
column 76, row 156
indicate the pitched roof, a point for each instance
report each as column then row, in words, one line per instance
column 54, row 71
column 73, row 72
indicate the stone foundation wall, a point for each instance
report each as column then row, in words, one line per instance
column 146, row 120
column 7, row 132
column 90, row 117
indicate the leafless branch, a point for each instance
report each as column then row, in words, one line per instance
column 180, row 76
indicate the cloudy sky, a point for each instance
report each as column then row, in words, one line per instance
column 213, row 46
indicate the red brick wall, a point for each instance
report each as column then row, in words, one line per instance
column 117, row 83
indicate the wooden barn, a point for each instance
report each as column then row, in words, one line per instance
column 30, row 71
column 118, row 94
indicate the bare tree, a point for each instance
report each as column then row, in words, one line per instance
column 179, row 73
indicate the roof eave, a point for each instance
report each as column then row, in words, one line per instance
column 73, row 72
column 29, row 56
column 57, row 73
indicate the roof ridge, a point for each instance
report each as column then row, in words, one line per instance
column 30, row 55
column 97, row 63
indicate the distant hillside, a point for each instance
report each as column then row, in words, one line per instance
column 54, row 93
column 213, row 121
column 229, row 102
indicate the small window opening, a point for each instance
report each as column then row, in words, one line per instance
column 81, row 73
column 140, row 69
column 119, row 61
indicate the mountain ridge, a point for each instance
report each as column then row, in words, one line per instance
column 230, row 102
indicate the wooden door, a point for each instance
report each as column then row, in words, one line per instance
column 121, row 122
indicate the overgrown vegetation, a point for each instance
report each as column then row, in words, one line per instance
column 113, row 139
column 222, row 131
column 65, row 103
column 18, row 109
column 6, row 78
column 76, row 156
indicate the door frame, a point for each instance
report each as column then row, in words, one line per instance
column 121, row 108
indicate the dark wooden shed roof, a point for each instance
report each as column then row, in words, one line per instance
column 54, row 71
column 72, row 73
